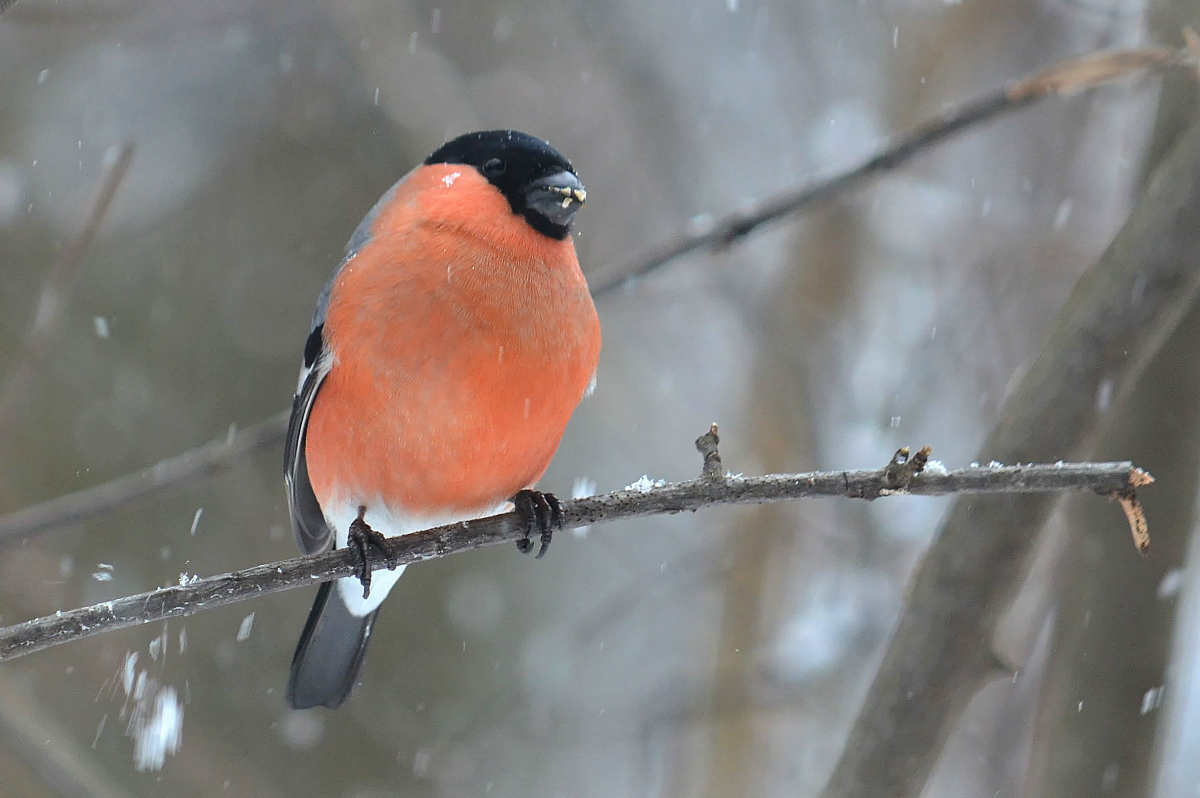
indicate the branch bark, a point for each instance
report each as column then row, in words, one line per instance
column 1069, row 77
column 1114, row 479
column 1117, row 318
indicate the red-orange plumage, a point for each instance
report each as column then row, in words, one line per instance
column 462, row 340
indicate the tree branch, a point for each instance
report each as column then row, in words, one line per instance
column 1115, row 479
column 1064, row 79
column 1069, row 77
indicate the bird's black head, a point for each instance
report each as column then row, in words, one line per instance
column 538, row 182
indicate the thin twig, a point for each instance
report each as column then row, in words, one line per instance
column 707, row 445
column 1067, row 78
column 899, row 473
column 61, row 278
column 211, row 458
column 217, row 591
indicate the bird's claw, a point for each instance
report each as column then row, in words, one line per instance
column 540, row 512
column 360, row 538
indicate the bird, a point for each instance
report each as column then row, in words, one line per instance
column 447, row 353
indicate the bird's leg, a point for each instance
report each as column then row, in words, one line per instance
column 541, row 512
column 359, row 539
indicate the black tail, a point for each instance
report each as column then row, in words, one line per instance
column 329, row 654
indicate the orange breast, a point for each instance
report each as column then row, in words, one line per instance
column 462, row 341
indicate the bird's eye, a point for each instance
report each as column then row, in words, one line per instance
column 494, row 167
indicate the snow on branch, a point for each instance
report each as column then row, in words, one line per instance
column 903, row 476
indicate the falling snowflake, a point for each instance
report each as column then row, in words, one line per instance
column 154, row 712
column 244, row 629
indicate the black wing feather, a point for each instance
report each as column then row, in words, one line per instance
column 308, row 521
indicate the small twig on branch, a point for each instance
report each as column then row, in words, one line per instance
column 1069, row 77
column 707, row 445
column 61, row 277
column 201, row 594
column 1134, row 513
column 899, row 473
column 1064, row 79
column 211, row 458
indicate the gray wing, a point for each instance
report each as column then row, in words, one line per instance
column 360, row 238
column 308, row 521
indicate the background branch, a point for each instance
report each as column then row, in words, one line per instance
column 211, row 458
column 61, row 278
column 1116, row 319
column 49, row 749
column 1069, row 77
column 1118, row 478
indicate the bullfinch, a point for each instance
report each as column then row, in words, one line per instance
column 448, row 351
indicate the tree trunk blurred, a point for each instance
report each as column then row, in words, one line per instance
column 1097, row 718
column 1112, row 632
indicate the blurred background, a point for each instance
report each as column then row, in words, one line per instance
column 717, row 654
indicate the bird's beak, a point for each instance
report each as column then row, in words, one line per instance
column 557, row 197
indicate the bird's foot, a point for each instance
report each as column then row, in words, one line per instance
column 360, row 538
column 540, row 512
